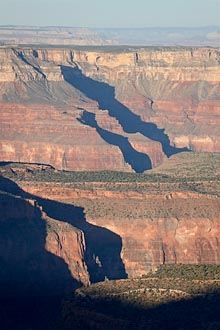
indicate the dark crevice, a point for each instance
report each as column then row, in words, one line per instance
column 102, row 255
column 25, row 263
column 20, row 55
column 103, row 247
column 33, row 281
column 35, row 53
column 138, row 161
column 104, row 94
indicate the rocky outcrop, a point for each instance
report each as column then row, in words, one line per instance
column 46, row 134
column 178, row 233
column 100, row 227
column 39, row 255
column 175, row 89
column 44, row 236
column 156, row 226
column 147, row 104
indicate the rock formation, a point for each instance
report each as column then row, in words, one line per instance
column 33, row 253
column 150, row 103
column 116, row 229
column 124, row 109
column 58, row 232
column 178, row 227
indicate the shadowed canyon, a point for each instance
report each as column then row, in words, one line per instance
column 158, row 101
column 110, row 167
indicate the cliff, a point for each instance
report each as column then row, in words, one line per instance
column 60, row 230
column 179, row 227
column 40, row 256
column 95, row 109
column 114, row 228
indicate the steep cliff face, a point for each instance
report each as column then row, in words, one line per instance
column 130, row 227
column 46, row 134
column 47, row 246
column 178, row 227
column 176, row 89
column 40, row 256
column 96, row 109
column 179, row 234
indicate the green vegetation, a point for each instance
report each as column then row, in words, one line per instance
column 48, row 174
column 171, row 298
column 185, row 168
column 105, row 48
column 187, row 272
column 174, row 297
column 191, row 166
column 186, row 172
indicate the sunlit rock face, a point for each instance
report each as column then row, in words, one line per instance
column 126, row 109
column 93, row 226
column 155, row 224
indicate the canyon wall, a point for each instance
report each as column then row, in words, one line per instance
column 126, row 109
column 39, row 255
column 155, row 227
column 112, row 226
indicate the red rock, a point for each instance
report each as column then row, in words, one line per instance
column 177, row 89
column 155, row 227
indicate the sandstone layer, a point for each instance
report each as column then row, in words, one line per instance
column 168, row 228
column 126, row 109
column 107, row 229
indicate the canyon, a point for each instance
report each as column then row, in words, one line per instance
column 109, row 165
column 113, row 109
column 122, row 109
column 112, row 227
column 62, row 230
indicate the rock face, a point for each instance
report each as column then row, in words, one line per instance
column 40, row 256
column 47, row 247
column 178, row 227
column 118, row 229
column 189, row 237
column 124, row 110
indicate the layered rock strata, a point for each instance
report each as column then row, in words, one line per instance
column 178, row 227
column 39, row 255
column 126, row 228
column 147, row 104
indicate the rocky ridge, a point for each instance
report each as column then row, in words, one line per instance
column 57, row 35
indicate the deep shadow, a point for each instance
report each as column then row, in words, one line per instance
column 32, row 280
column 27, row 269
column 138, row 160
column 21, row 56
column 197, row 313
column 4, row 163
column 104, row 94
column 103, row 247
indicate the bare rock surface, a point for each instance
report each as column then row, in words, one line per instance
column 100, row 109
